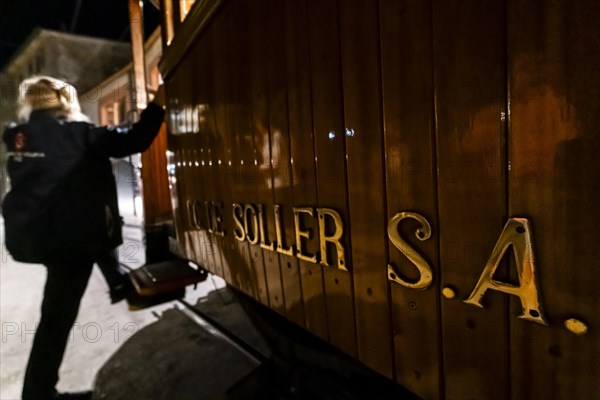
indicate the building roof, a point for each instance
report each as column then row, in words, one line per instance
column 81, row 60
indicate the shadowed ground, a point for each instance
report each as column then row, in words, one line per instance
column 175, row 358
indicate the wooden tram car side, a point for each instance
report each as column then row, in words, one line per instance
column 414, row 182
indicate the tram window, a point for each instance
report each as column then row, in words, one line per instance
column 174, row 12
column 108, row 117
column 184, row 8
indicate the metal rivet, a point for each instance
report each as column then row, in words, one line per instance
column 448, row 292
column 555, row 351
column 576, row 326
column 471, row 324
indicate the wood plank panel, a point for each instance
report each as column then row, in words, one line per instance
column 282, row 182
column 554, row 142
column 174, row 189
column 218, row 37
column 212, row 178
column 361, row 71
column 303, row 155
column 328, row 121
column 242, row 276
column 181, row 221
column 469, row 80
column 192, row 179
column 247, row 269
column 194, row 239
column 157, row 205
column 204, row 173
column 244, row 147
column 260, row 42
column 407, row 67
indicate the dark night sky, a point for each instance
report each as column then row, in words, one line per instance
column 99, row 18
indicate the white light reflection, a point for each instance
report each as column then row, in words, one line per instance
column 139, row 204
column 171, row 164
column 331, row 135
column 350, row 132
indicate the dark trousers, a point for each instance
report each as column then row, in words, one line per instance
column 108, row 263
column 64, row 288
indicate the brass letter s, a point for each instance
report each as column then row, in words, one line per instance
column 423, row 233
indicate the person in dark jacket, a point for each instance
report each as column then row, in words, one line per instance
column 61, row 209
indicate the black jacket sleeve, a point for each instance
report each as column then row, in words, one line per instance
column 123, row 141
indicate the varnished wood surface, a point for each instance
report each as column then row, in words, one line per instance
column 220, row 125
column 330, row 156
column 280, row 154
column 302, row 152
column 470, row 95
column 466, row 112
column 363, row 131
column 260, row 48
column 407, row 87
column 157, row 207
column 554, row 142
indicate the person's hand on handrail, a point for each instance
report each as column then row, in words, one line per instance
column 158, row 96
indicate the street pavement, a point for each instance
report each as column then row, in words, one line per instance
column 100, row 331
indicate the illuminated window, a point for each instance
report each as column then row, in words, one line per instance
column 114, row 109
column 108, row 116
column 184, row 8
column 174, row 13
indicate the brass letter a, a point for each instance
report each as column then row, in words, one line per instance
column 516, row 232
